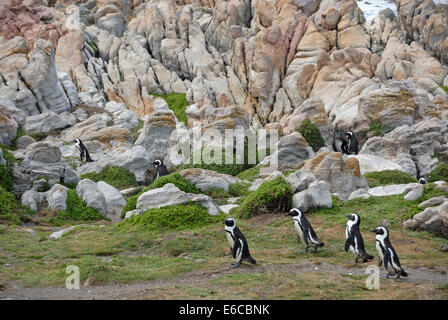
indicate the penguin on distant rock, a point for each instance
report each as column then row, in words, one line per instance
column 238, row 243
column 422, row 180
column 387, row 254
column 304, row 230
column 161, row 170
column 354, row 240
column 352, row 143
column 83, row 152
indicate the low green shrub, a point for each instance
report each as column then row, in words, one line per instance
column 178, row 103
column 114, row 175
column 11, row 212
column 239, row 189
column 439, row 173
column 45, row 187
column 271, row 196
column 382, row 178
column 445, row 88
column 250, row 174
column 312, row 134
column 178, row 217
column 77, row 211
column 377, row 129
column 6, row 177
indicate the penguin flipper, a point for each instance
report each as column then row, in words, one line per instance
column 236, row 246
column 348, row 242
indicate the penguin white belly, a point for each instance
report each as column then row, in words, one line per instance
column 380, row 252
column 230, row 239
column 299, row 230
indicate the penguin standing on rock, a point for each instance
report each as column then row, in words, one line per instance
column 422, row 181
column 238, row 243
column 352, row 143
column 161, row 170
column 83, row 152
column 387, row 254
column 304, row 230
column 354, row 240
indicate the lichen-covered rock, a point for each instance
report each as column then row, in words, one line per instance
column 207, row 179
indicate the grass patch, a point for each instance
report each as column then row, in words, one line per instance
column 178, row 103
column 271, row 196
column 250, row 174
column 239, row 189
column 377, row 129
column 11, row 212
column 386, row 177
column 439, row 173
column 312, row 134
column 114, row 175
column 77, row 211
column 445, row 88
column 178, row 217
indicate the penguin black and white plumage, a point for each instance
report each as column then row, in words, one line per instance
column 387, row 254
column 161, row 170
column 304, row 230
column 83, row 152
column 352, row 143
column 238, row 243
column 422, row 181
column 354, row 240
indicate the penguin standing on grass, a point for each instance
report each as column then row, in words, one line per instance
column 387, row 254
column 238, row 243
column 161, row 170
column 83, row 152
column 304, row 230
column 354, row 240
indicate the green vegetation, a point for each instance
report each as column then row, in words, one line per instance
column 271, row 196
column 94, row 47
column 137, row 128
column 177, row 217
column 77, row 211
column 45, row 186
column 114, row 175
column 439, row 173
column 378, row 129
column 312, row 134
column 250, row 174
column 239, row 189
column 6, row 177
column 11, row 212
column 382, row 178
column 178, row 103
column 372, row 210
column 445, row 88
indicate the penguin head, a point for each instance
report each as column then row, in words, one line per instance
column 157, row 163
column 422, row 181
column 348, row 134
column 78, row 141
column 230, row 222
column 381, row 231
column 353, row 217
column 294, row 212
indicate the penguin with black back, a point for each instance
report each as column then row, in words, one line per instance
column 352, row 143
column 422, row 180
column 304, row 230
column 238, row 243
column 83, row 152
column 161, row 170
column 387, row 253
column 354, row 240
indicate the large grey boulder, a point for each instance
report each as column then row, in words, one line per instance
column 44, row 122
column 415, row 193
column 291, row 150
column 88, row 191
column 207, row 179
column 372, row 163
column 122, row 117
column 433, row 219
column 32, row 199
column 42, row 159
column 114, row 200
column 300, row 180
column 170, row 195
column 316, row 196
column 24, row 141
column 57, row 197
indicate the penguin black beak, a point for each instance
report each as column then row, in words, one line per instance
column 286, row 214
column 224, row 222
column 373, row 230
column 347, row 216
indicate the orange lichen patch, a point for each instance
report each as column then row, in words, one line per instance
column 162, row 120
column 107, row 134
column 352, row 166
column 313, row 163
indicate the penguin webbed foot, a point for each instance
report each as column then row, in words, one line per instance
column 235, row 264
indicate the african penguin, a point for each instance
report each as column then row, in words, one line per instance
column 304, row 230
column 354, row 240
column 237, row 242
column 83, row 152
column 387, row 254
column 422, row 181
column 352, row 143
column 161, row 170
